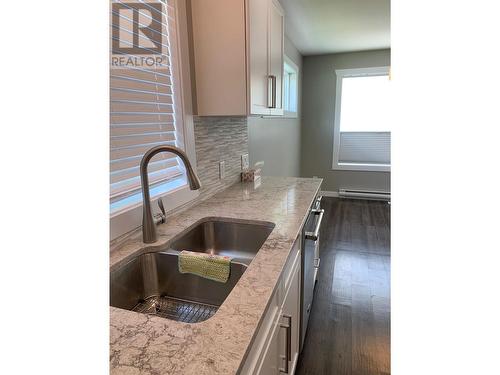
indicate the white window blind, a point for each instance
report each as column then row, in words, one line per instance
column 144, row 111
column 365, row 148
column 362, row 136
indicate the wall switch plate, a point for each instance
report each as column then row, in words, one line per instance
column 244, row 162
column 222, row 170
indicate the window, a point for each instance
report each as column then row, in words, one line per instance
column 362, row 134
column 290, row 88
column 146, row 108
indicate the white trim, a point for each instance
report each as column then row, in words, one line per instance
column 340, row 74
column 291, row 114
column 361, row 167
column 287, row 115
column 290, row 62
column 359, row 72
column 327, row 193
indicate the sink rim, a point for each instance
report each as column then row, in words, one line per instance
column 206, row 219
column 264, row 229
column 158, row 248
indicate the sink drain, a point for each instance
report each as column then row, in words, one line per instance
column 176, row 309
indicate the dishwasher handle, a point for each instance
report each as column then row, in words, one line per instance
column 314, row 235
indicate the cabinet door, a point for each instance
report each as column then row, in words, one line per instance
column 269, row 364
column 276, row 51
column 258, row 19
column 219, row 52
column 291, row 317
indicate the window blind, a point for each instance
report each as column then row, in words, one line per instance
column 143, row 109
column 365, row 147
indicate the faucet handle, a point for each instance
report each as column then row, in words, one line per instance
column 162, row 207
column 160, row 218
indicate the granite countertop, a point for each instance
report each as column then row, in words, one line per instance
column 144, row 344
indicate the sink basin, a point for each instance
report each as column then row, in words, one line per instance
column 237, row 239
column 152, row 284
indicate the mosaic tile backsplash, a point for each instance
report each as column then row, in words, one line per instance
column 219, row 139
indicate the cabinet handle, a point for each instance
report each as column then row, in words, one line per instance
column 288, row 353
column 274, row 91
column 271, row 93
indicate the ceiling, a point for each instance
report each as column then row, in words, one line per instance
column 332, row 26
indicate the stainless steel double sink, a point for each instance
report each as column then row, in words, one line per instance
column 151, row 282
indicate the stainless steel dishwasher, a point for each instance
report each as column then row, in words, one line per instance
column 310, row 263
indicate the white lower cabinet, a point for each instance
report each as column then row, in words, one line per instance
column 275, row 349
column 290, row 319
column 269, row 365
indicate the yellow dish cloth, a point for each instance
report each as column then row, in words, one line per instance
column 213, row 267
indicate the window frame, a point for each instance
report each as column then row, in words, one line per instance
column 130, row 218
column 287, row 113
column 340, row 75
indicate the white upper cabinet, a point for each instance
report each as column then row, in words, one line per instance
column 258, row 51
column 276, row 59
column 237, row 48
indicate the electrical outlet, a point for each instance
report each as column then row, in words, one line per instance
column 222, row 170
column 244, row 162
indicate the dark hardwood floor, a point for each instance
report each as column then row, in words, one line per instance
column 349, row 327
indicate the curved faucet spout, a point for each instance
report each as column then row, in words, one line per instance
column 148, row 225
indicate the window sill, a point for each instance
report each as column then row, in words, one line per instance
column 286, row 115
column 128, row 219
column 362, row 167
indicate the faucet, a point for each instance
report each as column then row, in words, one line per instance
column 148, row 223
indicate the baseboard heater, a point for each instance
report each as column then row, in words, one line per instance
column 365, row 194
